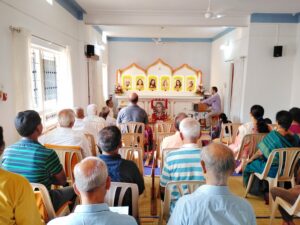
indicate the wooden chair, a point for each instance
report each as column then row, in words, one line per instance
column 159, row 139
column 290, row 209
column 164, row 127
column 134, row 154
column 45, row 205
column 287, row 158
column 92, row 144
column 68, row 156
column 232, row 129
column 180, row 186
column 111, row 196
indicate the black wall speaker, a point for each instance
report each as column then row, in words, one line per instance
column 277, row 51
column 89, row 50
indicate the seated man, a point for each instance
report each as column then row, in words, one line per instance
column 79, row 116
column 91, row 184
column 110, row 105
column 183, row 164
column 38, row 164
column 17, row 202
column 120, row 170
column 110, row 121
column 92, row 122
column 175, row 140
column 64, row 135
column 213, row 204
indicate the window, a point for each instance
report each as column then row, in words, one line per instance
column 45, row 65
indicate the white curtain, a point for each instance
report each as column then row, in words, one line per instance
column 237, row 86
column 21, row 42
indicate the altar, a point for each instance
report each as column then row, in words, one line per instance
column 161, row 87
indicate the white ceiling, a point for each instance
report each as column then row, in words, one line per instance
column 180, row 18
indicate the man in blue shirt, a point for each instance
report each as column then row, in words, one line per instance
column 91, row 184
column 213, row 203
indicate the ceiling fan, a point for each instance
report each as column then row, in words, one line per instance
column 209, row 14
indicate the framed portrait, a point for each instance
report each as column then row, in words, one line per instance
column 140, row 82
column 165, row 83
column 177, row 83
column 127, row 82
column 152, row 82
column 159, row 107
column 190, row 83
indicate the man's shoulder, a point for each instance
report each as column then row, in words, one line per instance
column 128, row 164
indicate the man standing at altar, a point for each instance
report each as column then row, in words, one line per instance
column 132, row 113
column 214, row 103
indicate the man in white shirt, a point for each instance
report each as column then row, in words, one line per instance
column 91, row 184
column 93, row 123
column 79, row 116
column 110, row 105
column 105, row 114
column 65, row 135
column 213, row 203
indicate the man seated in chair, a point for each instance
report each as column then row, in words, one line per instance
column 65, row 135
column 17, row 201
column 174, row 141
column 38, row 164
column 120, row 170
column 214, row 103
column 91, row 184
column 183, row 164
column 79, row 116
column 213, row 203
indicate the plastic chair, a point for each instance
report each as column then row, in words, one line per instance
column 287, row 158
column 68, row 156
column 45, row 205
column 132, row 127
column 164, row 127
column 159, row 139
column 232, row 129
column 290, row 209
column 92, row 143
column 111, row 196
column 134, row 154
column 165, row 205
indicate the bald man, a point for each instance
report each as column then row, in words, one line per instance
column 65, row 135
column 91, row 184
column 213, row 203
column 174, row 141
column 132, row 113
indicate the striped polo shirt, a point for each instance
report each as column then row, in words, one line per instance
column 182, row 164
column 33, row 161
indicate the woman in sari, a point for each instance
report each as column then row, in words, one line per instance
column 279, row 138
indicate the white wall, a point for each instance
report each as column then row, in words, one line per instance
column 268, row 79
column 122, row 54
column 237, row 42
column 295, row 93
column 52, row 23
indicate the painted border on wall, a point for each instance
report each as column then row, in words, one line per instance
column 72, row 7
column 275, row 18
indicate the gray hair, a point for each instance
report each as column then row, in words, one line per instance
column 219, row 159
column 90, row 173
column 91, row 109
column 190, row 128
column 66, row 117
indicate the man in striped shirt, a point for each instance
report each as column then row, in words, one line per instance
column 38, row 164
column 183, row 164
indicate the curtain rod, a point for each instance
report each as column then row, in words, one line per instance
column 18, row 29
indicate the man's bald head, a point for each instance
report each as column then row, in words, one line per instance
column 178, row 119
column 79, row 112
column 219, row 161
column 66, row 118
column 133, row 98
column 90, row 173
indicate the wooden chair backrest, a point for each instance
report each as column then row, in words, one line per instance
column 164, row 127
column 181, row 187
column 132, row 127
column 159, row 139
column 288, row 158
column 68, row 156
column 92, row 143
column 232, row 129
column 134, row 154
column 111, row 195
column 250, row 141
